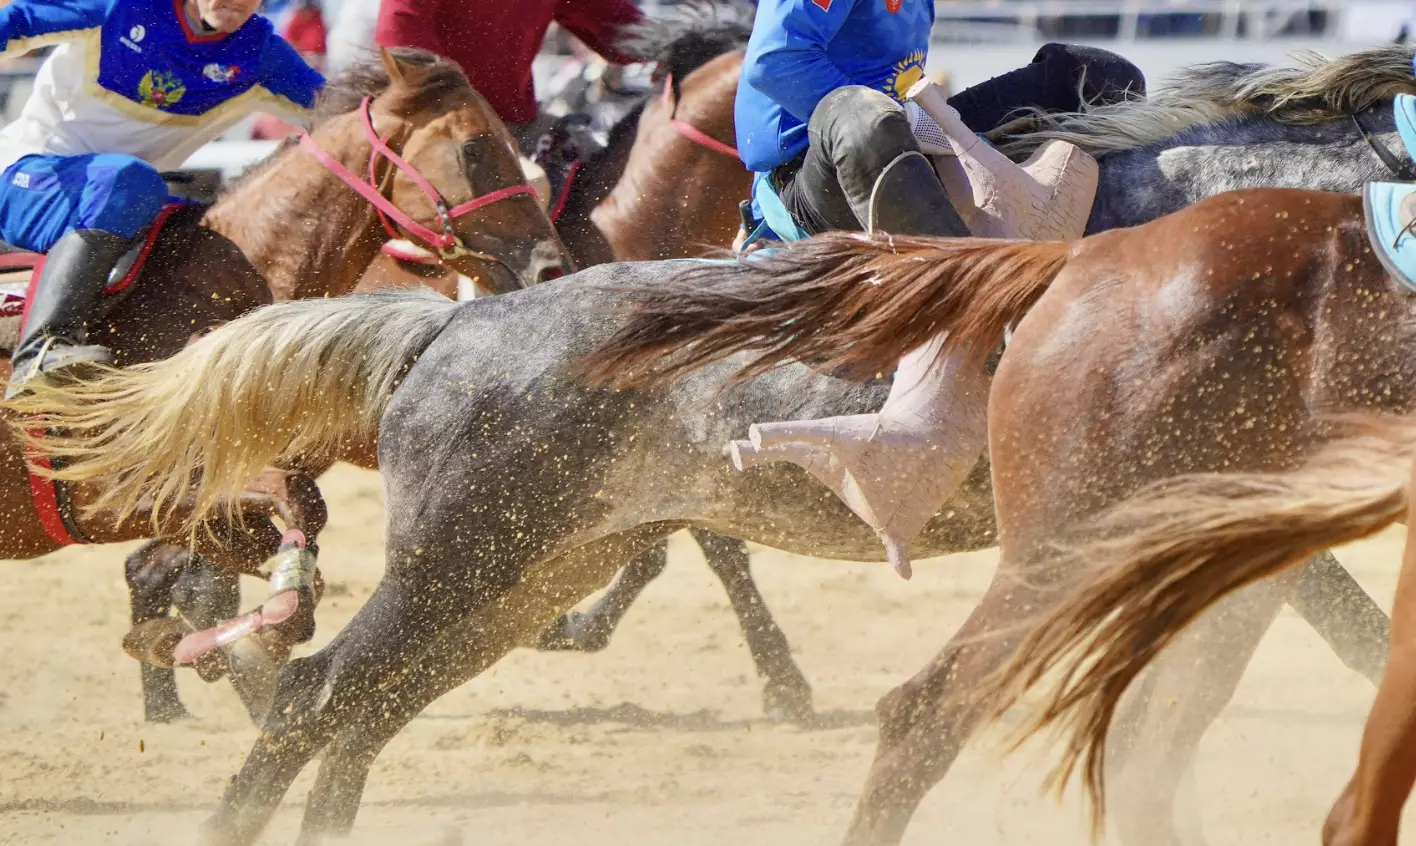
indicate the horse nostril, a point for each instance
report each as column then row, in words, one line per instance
column 549, row 273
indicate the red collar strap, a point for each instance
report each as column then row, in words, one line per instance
column 688, row 130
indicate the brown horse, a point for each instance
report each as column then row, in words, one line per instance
column 1243, row 338
column 197, row 276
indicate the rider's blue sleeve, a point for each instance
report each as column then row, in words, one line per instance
column 288, row 76
column 27, row 24
column 786, row 57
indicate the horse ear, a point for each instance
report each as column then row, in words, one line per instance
column 391, row 65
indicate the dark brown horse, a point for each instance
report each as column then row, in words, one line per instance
column 1210, row 339
column 307, row 234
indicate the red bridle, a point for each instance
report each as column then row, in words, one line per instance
column 447, row 243
column 688, row 130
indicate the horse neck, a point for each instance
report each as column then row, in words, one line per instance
column 593, row 183
column 195, row 278
column 1138, row 186
column 677, row 198
column 306, row 232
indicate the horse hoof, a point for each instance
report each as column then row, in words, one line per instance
column 153, row 641
column 254, row 670
column 574, row 632
column 167, row 713
column 788, row 704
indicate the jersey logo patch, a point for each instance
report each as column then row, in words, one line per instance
column 823, row 5
column 893, row 6
column 220, row 73
column 160, row 90
column 905, row 74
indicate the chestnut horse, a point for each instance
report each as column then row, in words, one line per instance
column 1254, row 310
column 197, row 276
column 1206, row 536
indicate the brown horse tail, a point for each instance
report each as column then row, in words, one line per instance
column 1168, row 554
column 288, row 380
column 839, row 300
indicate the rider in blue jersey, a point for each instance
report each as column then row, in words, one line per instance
column 818, row 110
column 134, row 87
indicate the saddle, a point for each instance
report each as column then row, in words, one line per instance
column 19, row 273
column 898, row 467
column 1389, row 208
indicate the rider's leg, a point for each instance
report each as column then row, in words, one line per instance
column 1061, row 78
column 864, row 170
column 863, row 155
column 83, row 212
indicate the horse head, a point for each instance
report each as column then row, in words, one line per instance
column 443, row 170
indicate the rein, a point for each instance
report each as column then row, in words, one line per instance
column 1401, row 170
column 448, row 243
column 688, row 130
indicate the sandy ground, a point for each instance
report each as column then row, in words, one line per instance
column 658, row 740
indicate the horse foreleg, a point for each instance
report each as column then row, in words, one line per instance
column 787, row 695
column 287, row 617
column 590, row 631
column 460, row 653
column 151, row 575
column 1341, row 612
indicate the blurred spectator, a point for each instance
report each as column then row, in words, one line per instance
column 496, row 41
column 305, row 30
column 351, row 33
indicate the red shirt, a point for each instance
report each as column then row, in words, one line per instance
column 495, row 41
column 306, row 30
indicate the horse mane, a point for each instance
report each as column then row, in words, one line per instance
column 432, row 77
column 695, row 33
column 1316, row 90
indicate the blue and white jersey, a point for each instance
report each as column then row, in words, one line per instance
column 132, row 76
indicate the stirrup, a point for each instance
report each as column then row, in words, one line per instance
column 58, row 361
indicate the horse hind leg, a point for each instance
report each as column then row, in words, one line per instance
column 925, row 722
column 590, row 631
column 1356, row 628
column 787, row 694
column 317, row 696
column 1162, row 720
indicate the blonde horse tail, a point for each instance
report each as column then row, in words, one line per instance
column 1169, row 553
column 288, row 380
column 839, row 300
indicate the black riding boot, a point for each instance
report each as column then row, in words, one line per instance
column 908, row 199
column 864, row 170
column 66, row 299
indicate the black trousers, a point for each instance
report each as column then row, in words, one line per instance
column 856, row 131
